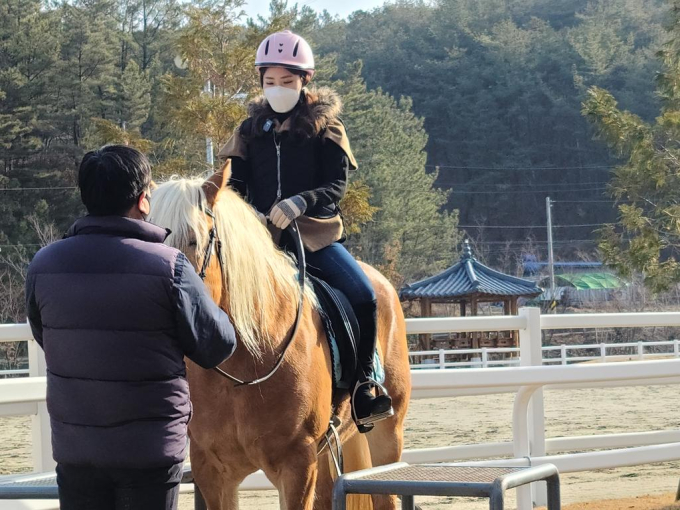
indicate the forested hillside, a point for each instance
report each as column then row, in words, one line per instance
column 500, row 84
column 460, row 111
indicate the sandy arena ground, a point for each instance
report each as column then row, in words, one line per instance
column 447, row 422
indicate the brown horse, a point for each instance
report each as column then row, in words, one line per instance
column 278, row 425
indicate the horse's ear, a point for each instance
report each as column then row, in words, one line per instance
column 214, row 184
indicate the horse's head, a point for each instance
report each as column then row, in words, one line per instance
column 185, row 206
column 245, row 272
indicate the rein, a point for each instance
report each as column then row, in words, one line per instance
column 214, row 241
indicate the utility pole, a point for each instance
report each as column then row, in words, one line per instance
column 208, row 140
column 551, row 259
column 182, row 64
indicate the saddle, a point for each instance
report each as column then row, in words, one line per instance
column 342, row 331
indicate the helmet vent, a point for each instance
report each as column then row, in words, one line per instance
column 295, row 50
column 266, row 48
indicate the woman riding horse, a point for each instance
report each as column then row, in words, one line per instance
column 290, row 160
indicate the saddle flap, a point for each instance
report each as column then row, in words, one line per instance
column 342, row 330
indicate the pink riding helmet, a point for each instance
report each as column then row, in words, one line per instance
column 285, row 49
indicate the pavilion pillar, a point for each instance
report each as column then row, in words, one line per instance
column 514, row 311
column 473, row 312
column 425, row 311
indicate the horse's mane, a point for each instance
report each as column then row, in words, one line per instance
column 257, row 275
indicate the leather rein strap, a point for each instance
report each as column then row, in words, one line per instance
column 214, row 241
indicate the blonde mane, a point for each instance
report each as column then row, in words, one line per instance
column 257, row 275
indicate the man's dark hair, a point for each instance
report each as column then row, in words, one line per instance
column 112, row 178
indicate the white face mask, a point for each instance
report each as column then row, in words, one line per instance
column 282, row 99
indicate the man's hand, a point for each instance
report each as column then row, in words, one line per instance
column 283, row 213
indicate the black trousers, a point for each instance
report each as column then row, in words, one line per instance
column 91, row 488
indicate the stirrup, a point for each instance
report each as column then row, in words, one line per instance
column 367, row 423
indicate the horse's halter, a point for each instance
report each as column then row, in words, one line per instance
column 214, row 241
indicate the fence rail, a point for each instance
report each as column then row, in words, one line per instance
column 481, row 358
column 529, row 445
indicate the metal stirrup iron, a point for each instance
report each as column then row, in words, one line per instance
column 371, row 418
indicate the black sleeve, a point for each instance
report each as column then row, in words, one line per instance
column 33, row 312
column 333, row 178
column 204, row 330
column 240, row 174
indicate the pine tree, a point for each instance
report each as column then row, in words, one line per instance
column 210, row 97
column 647, row 236
column 87, row 78
column 410, row 236
column 134, row 100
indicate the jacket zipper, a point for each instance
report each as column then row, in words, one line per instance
column 278, row 168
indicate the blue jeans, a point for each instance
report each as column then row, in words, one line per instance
column 337, row 267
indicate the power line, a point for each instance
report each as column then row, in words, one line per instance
column 39, row 189
column 456, row 192
column 586, row 185
column 522, row 168
column 535, row 226
column 587, row 201
column 532, row 242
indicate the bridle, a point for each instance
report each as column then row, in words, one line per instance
column 215, row 244
column 213, row 240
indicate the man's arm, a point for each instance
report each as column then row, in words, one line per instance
column 204, row 330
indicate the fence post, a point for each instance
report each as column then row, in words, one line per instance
column 641, row 350
column 676, row 348
column 603, row 352
column 40, row 424
column 442, row 359
column 531, row 354
column 485, row 357
column 563, row 350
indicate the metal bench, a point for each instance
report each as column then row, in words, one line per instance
column 44, row 486
column 407, row 481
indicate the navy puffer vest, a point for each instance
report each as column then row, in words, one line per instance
column 117, row 392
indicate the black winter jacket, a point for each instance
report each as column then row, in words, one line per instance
column 306, row 153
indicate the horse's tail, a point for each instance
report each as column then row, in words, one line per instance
column 357, row 455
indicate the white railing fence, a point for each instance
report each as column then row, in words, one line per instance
column 484, row 357
column 527, row 381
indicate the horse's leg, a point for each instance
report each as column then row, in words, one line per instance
column 324, row 483
column 357, row 456
column 217, row 481
column 296, row 479
column 387, row 441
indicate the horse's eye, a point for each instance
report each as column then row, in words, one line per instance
column 193, row 243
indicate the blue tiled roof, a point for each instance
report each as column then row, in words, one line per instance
column 468, row 277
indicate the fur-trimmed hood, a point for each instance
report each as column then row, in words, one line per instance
column 318, row 115
column 319, row 108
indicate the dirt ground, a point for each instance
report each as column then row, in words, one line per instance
column 663, row 502
column 467, row 420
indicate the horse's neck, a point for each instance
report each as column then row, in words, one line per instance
column 284, row 313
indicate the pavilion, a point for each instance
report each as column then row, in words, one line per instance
column 469, row 283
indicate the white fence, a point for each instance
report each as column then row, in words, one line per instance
column 529, row 445
column 481, row 358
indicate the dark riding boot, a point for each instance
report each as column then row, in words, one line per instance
column 368, row 408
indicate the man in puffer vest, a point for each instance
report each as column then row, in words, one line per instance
column 116, row 311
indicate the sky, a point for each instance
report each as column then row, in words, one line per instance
column 342, row 8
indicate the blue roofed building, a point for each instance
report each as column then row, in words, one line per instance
column 467, row 284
